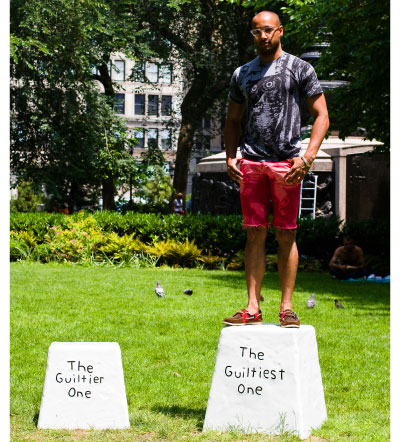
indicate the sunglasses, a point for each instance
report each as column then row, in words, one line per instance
column 267, row 29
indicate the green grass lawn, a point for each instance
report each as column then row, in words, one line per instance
column 169, row 346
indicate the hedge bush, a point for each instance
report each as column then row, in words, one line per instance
column 218, row 234
column 373, row 236
column 318, row 238
column 115, row 236
column 18, row 250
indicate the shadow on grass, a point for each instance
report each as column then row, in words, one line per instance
column 368, row 297
column 186, row 413
column 36, row 419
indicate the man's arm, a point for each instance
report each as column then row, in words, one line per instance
column 231, row 138
column 335, row 258
column 360, row 258
column 317, row 108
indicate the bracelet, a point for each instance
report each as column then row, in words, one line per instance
column 305, row 161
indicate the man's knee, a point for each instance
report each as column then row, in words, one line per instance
column 285, row 236
column 256, row 234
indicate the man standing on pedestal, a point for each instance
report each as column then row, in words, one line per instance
column 268, row 90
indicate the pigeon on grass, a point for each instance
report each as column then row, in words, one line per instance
column 159, row 290
column 311, row 301
column 338, row 304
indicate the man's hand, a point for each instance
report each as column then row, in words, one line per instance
column 297, row 172
column 233, row 172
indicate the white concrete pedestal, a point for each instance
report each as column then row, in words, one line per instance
column 84, row 387
column 267, row 379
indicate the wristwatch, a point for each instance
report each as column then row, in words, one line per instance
column 307, row 163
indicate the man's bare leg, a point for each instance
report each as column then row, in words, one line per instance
column 255, row 265
column 288, row 259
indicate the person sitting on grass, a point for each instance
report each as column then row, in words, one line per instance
column 348, row 261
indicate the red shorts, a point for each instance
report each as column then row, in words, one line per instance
column 263, row 182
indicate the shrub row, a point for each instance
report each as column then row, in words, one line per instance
column 216, row 236
column 83, row 241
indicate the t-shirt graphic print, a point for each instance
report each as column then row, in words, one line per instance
column 273, row 92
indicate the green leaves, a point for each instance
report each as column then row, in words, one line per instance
column 358, row 35
column 64, row 133
column 180, row 238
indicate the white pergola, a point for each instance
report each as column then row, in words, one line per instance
column 331, row 157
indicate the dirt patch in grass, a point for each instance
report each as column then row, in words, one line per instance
column 79, row 434
column 317, row 439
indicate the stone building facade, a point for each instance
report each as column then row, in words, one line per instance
column 149, row 95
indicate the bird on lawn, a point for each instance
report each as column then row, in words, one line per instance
column 311, row 301
column 338, row 304
column 188, row 292
column 159, row 290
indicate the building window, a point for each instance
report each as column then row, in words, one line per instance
column 168, row 168
column 166, row 139
column 153, row 105
column 119, row 103
column 206, row 124
column 139, row 104
column 207, row 142
column 152, row 72
column 138, row 71
column 165, row 74
column 118, row 72
column 152, row 137
column 166, row 105
column 202, row 142
column 223, row 117
column 138, row 134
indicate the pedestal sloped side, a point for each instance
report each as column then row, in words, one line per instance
column 84, row 387
column 266, row 379
column 314, row 408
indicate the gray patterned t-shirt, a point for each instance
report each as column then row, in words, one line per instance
column 273, row 92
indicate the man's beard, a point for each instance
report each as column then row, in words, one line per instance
column 268, row 50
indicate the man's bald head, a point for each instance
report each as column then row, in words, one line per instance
column 272, row 17
column 267, row 32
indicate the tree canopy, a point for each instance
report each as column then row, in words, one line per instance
column 64, row 133
column 353, row 37
column 209, row 39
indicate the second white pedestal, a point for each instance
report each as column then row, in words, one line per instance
column 84, row 387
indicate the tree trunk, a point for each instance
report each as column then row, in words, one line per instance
column 108, row 194
column 108, row 183
column 185, row 144
column 192, row 110
column 73, row 197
